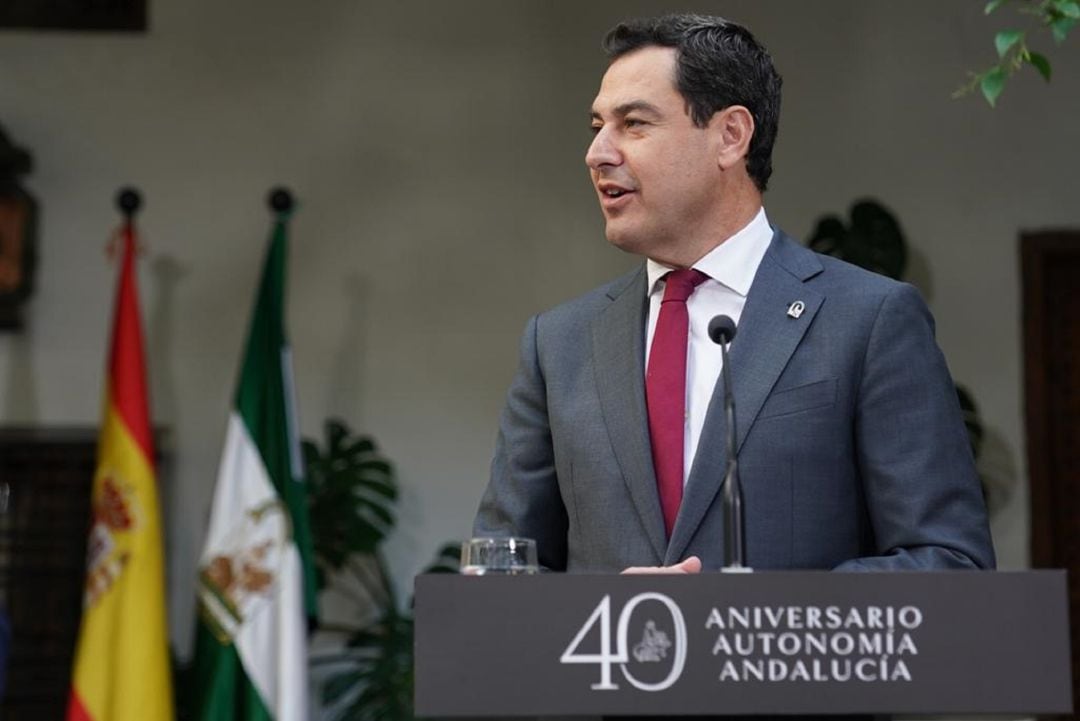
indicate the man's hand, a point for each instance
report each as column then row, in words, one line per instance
column 690, row 565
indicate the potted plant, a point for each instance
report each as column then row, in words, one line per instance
column 352, row 495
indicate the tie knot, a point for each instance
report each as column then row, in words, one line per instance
column 679, row 284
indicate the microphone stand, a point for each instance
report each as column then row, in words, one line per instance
column 722, row 331
column 734, row 531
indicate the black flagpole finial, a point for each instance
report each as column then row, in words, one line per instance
column 128, row 200
column 281, row 200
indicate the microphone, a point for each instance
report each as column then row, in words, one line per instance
column 722, row 332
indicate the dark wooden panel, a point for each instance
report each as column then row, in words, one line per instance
column 1051, row 285
column 126, row 15
column 42, row 562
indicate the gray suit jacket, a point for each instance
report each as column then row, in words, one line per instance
column 852, row 450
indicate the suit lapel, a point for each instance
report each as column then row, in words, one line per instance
column 764, row 341
column 619, row 365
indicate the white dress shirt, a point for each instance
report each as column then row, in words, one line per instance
column 731, row 267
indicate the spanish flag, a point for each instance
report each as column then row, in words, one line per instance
column 122, row 660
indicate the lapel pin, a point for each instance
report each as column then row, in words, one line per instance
column 795, row 309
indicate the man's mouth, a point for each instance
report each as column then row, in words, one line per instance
column 609, row 193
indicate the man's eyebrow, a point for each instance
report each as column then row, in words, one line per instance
column 621, row 111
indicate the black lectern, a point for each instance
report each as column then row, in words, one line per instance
column 759, row 643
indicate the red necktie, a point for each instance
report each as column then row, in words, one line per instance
column 665, row 390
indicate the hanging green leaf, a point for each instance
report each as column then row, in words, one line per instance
column 1061, row 27
column 1058, row 16
column 1069, row 9
column 1005, row 39
column 992, row 84
column 1040, row 63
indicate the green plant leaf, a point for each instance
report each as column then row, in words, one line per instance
column 336, row 432
column 972, row 421
column 992, row 83
column 1060, row 28
column 447, row 560
column 376, row 465
column 993, row 5
column 375, row 514
column 1068, row 8
column 362, row 445
column 1040, row 63
column 338, row 685
column 351, row 495
column 976, row 433
column 873, row 240
column 1005, row 39
column 382, row 673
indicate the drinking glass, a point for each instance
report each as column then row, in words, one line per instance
column 506, row 556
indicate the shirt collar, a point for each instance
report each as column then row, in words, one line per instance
column 733, row 263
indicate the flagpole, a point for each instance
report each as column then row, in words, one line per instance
column 282, row 202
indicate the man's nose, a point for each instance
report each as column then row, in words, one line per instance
column 602, row 151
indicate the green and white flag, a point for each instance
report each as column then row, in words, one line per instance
column 256, row 589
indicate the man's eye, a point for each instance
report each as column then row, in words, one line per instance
column 594, row 129
column 633, row 122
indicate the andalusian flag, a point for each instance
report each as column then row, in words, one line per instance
column 122, row 659
column 256, row 582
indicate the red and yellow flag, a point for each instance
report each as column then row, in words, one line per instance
column 122, row 659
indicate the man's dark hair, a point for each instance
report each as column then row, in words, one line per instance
column 718, row 64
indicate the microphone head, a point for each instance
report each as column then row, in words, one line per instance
column 722, row 329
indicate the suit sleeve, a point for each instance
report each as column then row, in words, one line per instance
column 522, row 497
column 923, row 495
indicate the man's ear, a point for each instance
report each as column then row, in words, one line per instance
column 733, row 128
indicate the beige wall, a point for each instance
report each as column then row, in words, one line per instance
column 437, row 151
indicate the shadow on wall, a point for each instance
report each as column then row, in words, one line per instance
column 167, row 272
column 20, row 388
column 346, row 381
column 160, row 316
column 998, row 470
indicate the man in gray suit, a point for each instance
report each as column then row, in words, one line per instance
column 611, row 450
